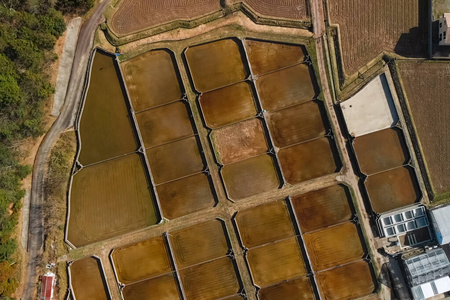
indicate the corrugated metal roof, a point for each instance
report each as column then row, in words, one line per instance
column 427, row 267
column 442, row 217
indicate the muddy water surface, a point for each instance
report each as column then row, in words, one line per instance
column 161, row 288
column 300, row 287
column 87, row 279
column 105, row 125
column 151, row 79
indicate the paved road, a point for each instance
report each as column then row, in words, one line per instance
column 64, row 121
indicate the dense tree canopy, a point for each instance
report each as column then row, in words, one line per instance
column 28, row 33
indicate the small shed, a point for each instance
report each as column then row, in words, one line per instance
column 47, row 283
column 440, row 218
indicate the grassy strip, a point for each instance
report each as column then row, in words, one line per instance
column 55, row 207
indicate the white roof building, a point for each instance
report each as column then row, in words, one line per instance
column 440, row 218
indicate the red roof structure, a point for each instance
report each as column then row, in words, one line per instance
column 47, row 286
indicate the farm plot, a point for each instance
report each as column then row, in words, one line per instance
column 322, row 208
column 211, row 280
column 300, row 287
column 297, row 124
column 87, row 279
column 308, row 160
column 333, row 246
column 239, row 141
column 211, row 69
column 285, row 87
column 421, row 81
column 134, row 15
column 264, row 223
column 275, row 262
column 152, row 79
column 382, row 150
column 105, row 128
column 199, row 243
column 347, row 282
column 185, row 196
column 401, row 28
column 265, row 57
column 164, row 124
column 228, row 105
column 161, row 288
column 286, row 9
column 143, row 260
column 174, row 160
column 392, row 189
column 250, row 177
column 109, row 199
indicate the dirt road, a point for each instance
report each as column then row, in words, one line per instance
column 64, row 121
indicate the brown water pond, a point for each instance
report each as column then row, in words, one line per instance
column 151, row 79
column 88, row 280
column 164, row 124
column 105, row 125
column 285, row 88
column 216, row 64
column 333, row 246
column 211, row 280
column 185, row 196
column 392, row 189
column 322, row 208
column 161, row 288
column 381, row 150
column 308, row 160
column 297, row 124
column 347, row 282
column 174, row 160
column 300, row 287
column 142, row 260
column 276, row 262
column 228, row 105
column 264, row 224
column 265, row 56
column 250, row 177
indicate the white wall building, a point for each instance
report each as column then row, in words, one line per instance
column 440, row 218
column 444, row 30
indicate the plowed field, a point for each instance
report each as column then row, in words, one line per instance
column 369, row 27
column 136, row 15
column 289, row 9
column 239, row 141
column 264, row 224
column 109, row 199
column 322, row 208
column 427, row 88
